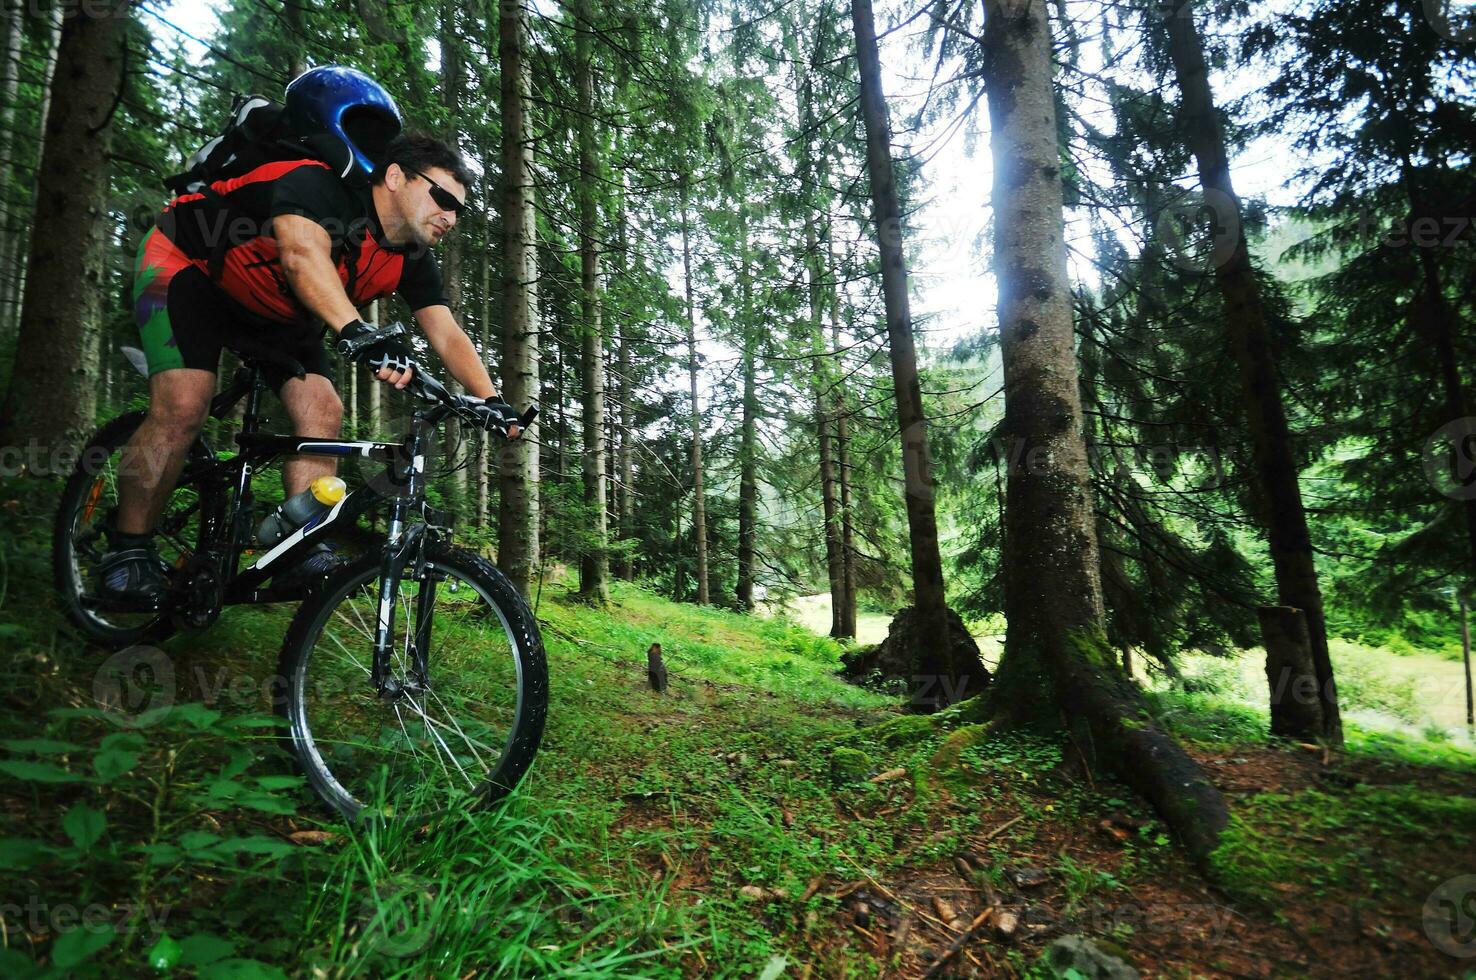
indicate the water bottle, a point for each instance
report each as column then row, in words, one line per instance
column 301, row 510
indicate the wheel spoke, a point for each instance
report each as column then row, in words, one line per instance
column 379, row 750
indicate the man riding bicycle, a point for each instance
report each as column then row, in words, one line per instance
column 261, row 263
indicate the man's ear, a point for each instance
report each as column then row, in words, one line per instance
column 393, row 177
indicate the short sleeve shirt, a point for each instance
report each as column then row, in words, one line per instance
column 239, row 212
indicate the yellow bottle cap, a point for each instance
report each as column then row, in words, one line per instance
column 328, row 490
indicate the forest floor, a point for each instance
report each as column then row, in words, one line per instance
column 748, row 821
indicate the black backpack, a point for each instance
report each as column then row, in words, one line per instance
column 257, row 132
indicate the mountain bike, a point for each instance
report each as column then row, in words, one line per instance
column 411, row 681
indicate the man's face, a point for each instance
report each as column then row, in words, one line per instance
column 426, row 218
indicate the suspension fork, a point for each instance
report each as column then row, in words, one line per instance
column 403, row 542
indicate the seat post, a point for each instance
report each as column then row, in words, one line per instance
column 250, row 419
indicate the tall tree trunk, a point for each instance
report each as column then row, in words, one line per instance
column 292, row 13
column 843, row 466
column 748, row 433
column 1283, row 516
column 820, row 376
column 922, row 524
column 518, row 516
column 10, row 192
column 561, row 400
column 13, row 287
column 594, row 566
column 1435, row 319
column 376, row 403
column 624, row 494
column 1053, row 594
column 484, row 331
column 52, row 395
column 624, row 491
column 453, row 433
column 835, row 561
column 699, row 510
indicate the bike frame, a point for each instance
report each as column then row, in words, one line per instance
column 230, row 525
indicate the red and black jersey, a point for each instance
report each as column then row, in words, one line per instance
column 227, row 231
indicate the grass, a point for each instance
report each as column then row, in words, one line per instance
column 723, row 828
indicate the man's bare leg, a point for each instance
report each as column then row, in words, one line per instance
column 179, row 403
column 316, row 413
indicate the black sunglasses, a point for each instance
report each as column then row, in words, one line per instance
column 444, row 199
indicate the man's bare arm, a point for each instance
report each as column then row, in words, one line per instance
column 306, row 254
column 457, row 351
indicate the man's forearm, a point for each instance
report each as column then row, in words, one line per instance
column 460, row 356
column 456, row 350
column 315, row 283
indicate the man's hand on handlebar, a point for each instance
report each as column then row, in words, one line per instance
column 381, row 351
column 490, row 414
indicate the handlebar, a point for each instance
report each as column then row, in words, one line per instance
column 422, row 384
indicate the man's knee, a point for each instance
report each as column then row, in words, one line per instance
column 316, row 408
column 181, row 409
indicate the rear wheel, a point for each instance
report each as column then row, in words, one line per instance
column 88, row 503
column 461, row 738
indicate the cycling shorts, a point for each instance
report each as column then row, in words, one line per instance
column 184, row 320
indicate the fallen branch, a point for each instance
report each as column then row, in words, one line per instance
column 1003, row 827
column 959, row 943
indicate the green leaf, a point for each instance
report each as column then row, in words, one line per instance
column 257, row 844
column 38, row 772
column 19, row 853
column 17, row 965
column 198, row 840
column 224, row 790
column 203, row 948
column 38, row 746
column 239, row 761
column 112, row 763
column 153, row 716
column 161, row 853
column 164, row 955
column 279, row 782
column 125, row 741
column 773, row 968
column 266, row 803
column 84, row 825
column 79, row 945
column 195, row 715
column 257, row 721
column 241, row 970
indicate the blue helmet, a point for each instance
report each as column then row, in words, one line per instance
column 346, row 104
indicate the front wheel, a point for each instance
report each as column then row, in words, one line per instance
column 461, row 736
